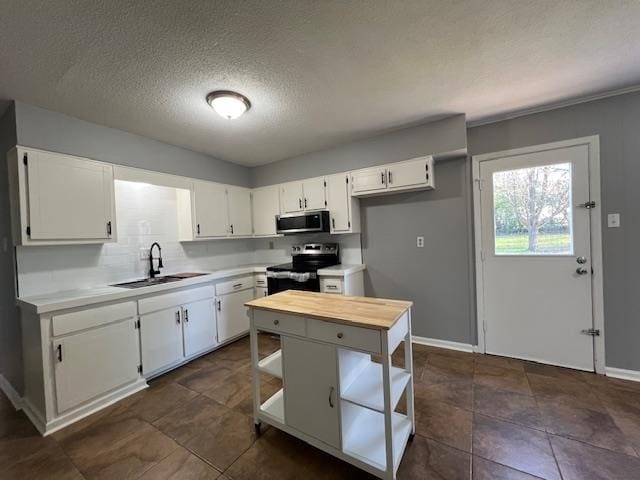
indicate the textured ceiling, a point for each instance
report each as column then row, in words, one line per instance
column 318, row 73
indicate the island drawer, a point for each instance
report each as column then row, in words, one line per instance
column 279, row 322
column 366, row 339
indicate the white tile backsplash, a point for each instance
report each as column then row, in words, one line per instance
column 146, row 214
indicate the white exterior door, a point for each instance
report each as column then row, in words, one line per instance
column 94, row 362
column 266, row 205
column 239, row 200
column 69, row 198
column 291, row 198
column 369, row 180
column 211, row 213
column 536, row 287
column 199, row 326
column 338, row 202
column 310, row 370
column 161, row 339
column 314, row 196
column 232, row 315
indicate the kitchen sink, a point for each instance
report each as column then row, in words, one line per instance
column 147, row 282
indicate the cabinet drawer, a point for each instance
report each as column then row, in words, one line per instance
column 331, row 285
column 366, row 339
column 174, row 299
column 261, row 280
column 92, row 317
column 280, row 322
column 235, row 285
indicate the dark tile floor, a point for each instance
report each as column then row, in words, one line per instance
column 478, row 417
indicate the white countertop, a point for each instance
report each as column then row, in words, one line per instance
column 79, row 298
column 341, row 270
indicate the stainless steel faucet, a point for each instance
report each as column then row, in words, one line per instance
column 152, row 271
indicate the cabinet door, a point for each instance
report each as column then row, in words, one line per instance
column 291, row 197
column 261, row 292
column 69, row 198
column 95, row 362
column 232, row 315
column 239, row 200
column 161, row 339
column 311, row 389
column 266, row 205
column 314, row 194
column 369, row 180
column 409, row 174
column 199, row 326
column 211, row 213
column 338, row 200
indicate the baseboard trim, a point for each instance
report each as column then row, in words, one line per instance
column 435, row 342
column 10, row 392
column 633, row 375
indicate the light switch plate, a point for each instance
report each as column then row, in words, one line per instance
column 420, row 242
column 613, row 220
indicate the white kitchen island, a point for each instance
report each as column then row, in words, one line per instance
column 335, row 396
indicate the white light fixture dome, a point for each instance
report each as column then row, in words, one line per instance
column 228, row 104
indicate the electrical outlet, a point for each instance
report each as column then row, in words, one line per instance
column 144, row 254
column 420, row 242
column 613, row 220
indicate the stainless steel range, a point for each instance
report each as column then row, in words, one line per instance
column 302, row 272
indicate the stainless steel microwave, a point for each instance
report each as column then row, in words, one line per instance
column 303, row 222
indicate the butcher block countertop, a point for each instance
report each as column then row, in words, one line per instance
column 366, row 312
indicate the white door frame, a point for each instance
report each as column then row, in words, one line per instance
column 593, row 144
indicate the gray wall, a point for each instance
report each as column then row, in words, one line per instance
column 10, row 344
column 617, row 121
column 445, row 136
column 40, row 128
column 438, row 277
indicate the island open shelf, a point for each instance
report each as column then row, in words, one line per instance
column 334, row 396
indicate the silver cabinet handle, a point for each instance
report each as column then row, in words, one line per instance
column 331, row 397
column 178, row 317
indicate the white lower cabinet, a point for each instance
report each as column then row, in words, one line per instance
column 199, row 327
column 311, row 392
column 94, row 362
column 232, row 316
column 161, row 339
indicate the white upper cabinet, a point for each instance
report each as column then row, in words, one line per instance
column 369, row 180
column 407, row 176
column 291, row 197
column 239, row 202
column 413, row 174
column 313, row 191
column 210, row 207
column 60, row 198
column 343, row 208
column 266, row 205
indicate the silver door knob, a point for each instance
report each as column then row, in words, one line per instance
column 581, row 260
column 581, row 271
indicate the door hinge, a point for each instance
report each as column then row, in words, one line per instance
column 29, row 231
column 140, row 368
column 136, row 325
column 25, row 159
column 594, row 332
column 588, row 205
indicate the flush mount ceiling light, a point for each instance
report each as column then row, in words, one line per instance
column 228, row 104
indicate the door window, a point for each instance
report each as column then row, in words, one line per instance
column 532, row 211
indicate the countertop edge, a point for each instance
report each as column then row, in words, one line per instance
column 341, row 270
